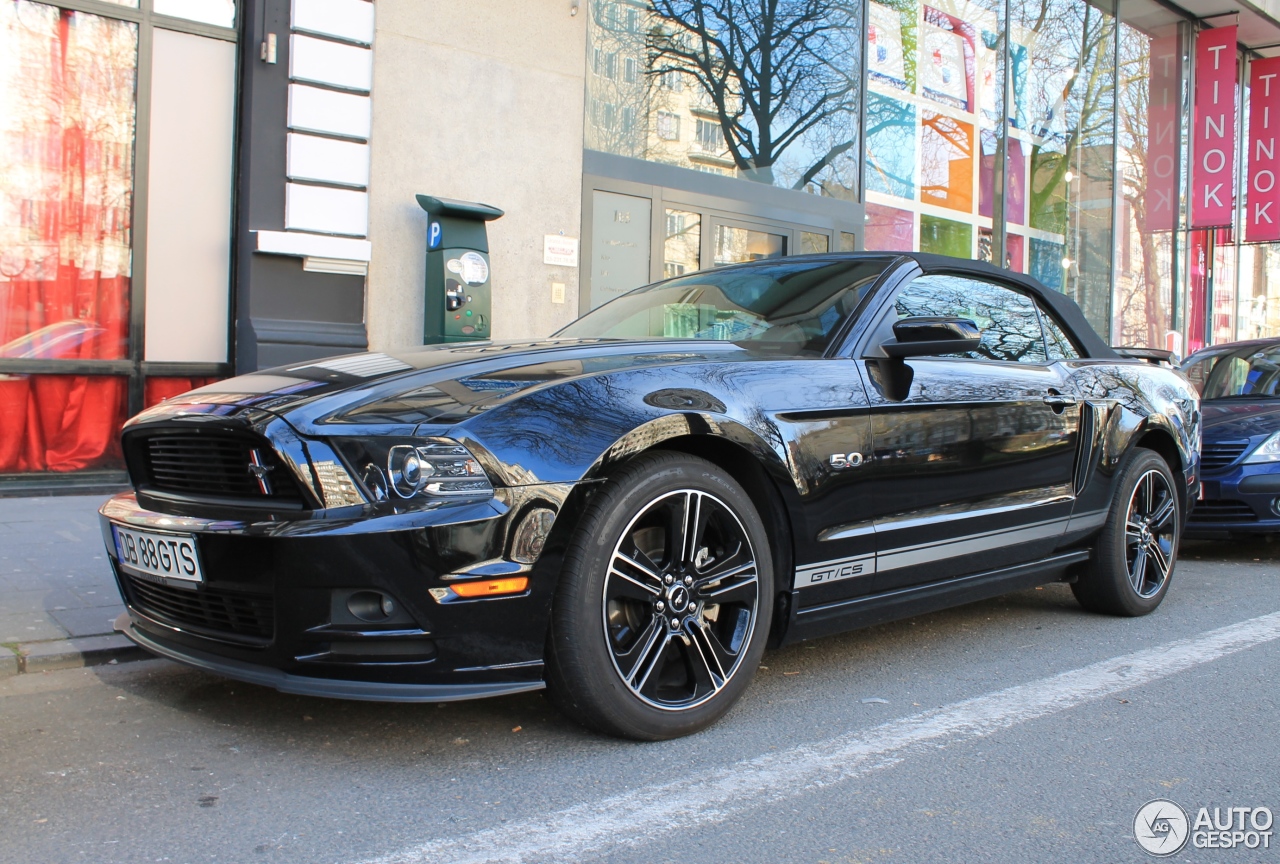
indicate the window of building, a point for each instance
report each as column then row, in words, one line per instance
column 814, row 85
column 710, row 136
column 668, row 126
column 76, row 292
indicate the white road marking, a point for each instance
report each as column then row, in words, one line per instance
column 645, row 814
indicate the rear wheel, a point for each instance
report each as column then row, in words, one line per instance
column 663, row 608
column 1133, row 561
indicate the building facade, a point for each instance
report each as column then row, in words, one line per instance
column 191, row 189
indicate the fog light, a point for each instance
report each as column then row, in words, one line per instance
column 532, row 535
column 1275, row 506
column 371, row 606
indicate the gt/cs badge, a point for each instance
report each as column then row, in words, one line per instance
column 845, row 460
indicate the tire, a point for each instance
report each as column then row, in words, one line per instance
column 1133, row 561
column 649, row 641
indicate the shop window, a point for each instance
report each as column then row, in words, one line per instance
column 736, row 245
column 889, row 229
column 61, row 423
column 946, row 162
column 848, row 242
column 945, row 237
column 891, row 146
column 681, row 243
column 813, row 86
column 813, row 243
column 159, row 389
column 66, row 178
column 221, row 13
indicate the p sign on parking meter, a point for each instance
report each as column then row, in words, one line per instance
column 459, row 302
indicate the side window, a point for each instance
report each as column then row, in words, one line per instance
column 1008, row 320
column 1060, row 345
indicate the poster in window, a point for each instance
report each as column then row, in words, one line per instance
column 947, row 60
column 885, row 58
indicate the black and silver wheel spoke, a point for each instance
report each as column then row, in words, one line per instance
column 680, row 599
column 1164, row 513
column 708, row 666
column 736, row 586
column 635, row 662
column 1150, row 533
column 632, row 579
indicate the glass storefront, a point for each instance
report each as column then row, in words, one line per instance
column 72, row 302
column 770, row 98
column 1048, row 137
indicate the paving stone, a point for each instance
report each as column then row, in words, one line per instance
column 91, row 621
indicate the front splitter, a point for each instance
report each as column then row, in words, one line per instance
column 302, row 685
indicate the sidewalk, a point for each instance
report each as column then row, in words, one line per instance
column 57, row 595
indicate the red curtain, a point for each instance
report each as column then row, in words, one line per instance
column 160, row 389
column 66, row 177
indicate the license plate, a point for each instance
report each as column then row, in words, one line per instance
column 171, row 556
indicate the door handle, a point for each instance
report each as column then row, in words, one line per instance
column 1059, row 403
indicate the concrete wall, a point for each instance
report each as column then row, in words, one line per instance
column 481, row 101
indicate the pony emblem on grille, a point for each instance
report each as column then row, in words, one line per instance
column 260, row 471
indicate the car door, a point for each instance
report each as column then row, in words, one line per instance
column 974, row 457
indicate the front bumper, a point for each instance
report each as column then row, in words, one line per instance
column 1243, row 500
column 273, row 607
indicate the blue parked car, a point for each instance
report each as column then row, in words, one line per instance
column 1240, row 458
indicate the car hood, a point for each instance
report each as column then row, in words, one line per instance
column 439, row 384
column 1240, row 417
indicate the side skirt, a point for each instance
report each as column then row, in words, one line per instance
column 931, row 597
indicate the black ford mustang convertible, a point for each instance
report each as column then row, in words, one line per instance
column 629, row 512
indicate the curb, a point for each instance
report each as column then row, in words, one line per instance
column 73, row 654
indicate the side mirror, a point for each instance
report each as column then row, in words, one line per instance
column 930, row 336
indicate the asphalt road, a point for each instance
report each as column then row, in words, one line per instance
column 1008, row 733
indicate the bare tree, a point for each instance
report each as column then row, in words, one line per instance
column 772, row 71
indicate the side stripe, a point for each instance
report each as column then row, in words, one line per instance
column 831, row 571
column 910, row 556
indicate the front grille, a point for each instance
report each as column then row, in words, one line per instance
column 1217, row 455
column 209, row 611
column 215, row 464
column 1222, row 510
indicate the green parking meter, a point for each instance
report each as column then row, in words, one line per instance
column 459, row 302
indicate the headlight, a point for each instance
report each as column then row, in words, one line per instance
column 1267, row 451
column 399, row 469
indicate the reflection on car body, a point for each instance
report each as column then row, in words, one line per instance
column 628, row 512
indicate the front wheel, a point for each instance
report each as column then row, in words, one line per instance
column 1133, row 561
column 663, row 608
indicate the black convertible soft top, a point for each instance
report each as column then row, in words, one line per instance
column 1062, row 306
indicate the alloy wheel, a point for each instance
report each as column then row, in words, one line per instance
column 680, row 599
column 1150, row 533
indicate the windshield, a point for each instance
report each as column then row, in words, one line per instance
column 792, row 306
column 1251, row 372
